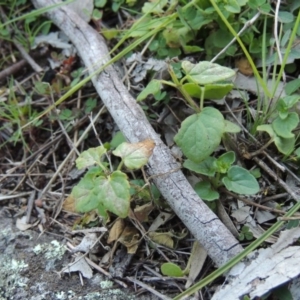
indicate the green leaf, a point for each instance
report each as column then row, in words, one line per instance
column 212, row 91
column 284, row 127
column 256, row 173
column 233, row 8
column 241, row 181
column 90, row 104
column 97, row 14
column 117, row 140
column 285, row 146
column 217, row 91
column 292, row 224
column 172, row 270
column 205, row 191
column 200, row 134
column 221, row 38
column 231, row 127
column 206, row 72
column 249, row 236
column 135, row 155
column 110, row 193
column 241, row 236
column 155, row 7
column 193, row 89
column 66, row 114
column 225, row 161
column 297, row 152
column 282, row 109
column 194, row 18
column 139, row 189
column 290, row 101
column 90, row 157
column 100, row 3
column 152, row 88
column 206, row 167
column 285, row 17
column 187, row 49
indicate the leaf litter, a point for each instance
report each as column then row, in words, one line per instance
column 148, row 232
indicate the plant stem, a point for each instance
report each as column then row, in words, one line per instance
column 178, row 85
column 120, row 165
column 258, row 77
column 287, row 52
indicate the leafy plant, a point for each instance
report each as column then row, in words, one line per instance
column 218, row 172
column 201, row 133
column 245, row 234
column 284, row 122
column 106, row 190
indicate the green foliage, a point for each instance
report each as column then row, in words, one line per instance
column 171, row 270
column 191, row 137
column 241, row 181
column 283, row 124
column 200, row 134
column 205, row 191
column 205, row 72
column 103, row 193
column 219, row 171
column 106, row 190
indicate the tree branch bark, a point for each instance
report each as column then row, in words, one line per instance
column 194, row 213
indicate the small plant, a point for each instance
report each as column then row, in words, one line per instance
column 219, row 172
column 201, row 133
column 103, row 189
column 285, row 120
column 245, row 234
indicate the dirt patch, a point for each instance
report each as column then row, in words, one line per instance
column 30, row 264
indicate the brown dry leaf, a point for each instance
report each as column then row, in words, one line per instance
column 135, row 155
column 80, row 265
column 160, row 220
column 130, row 239
column 141, row 213
column 86, row 243
column 116, row 230
column 244, row 67
column 164, row 238
column 69, row 204
column 148, row 146
column 196, row 261
column 88, row 218
column 22, row 225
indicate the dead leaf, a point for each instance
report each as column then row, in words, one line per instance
column 196, row 261
column 116, row 230
column 164, row 238
column 263, row 216
column 223, row 215
column 86, row 243
column 22, row 225
column 161, row 219
column 244, row 67
column 81, row 266
column 242, row 215
column 142, row 212
column 69, row 204
column 130, row 238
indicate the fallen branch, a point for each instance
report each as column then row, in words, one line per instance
column 130, row 118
